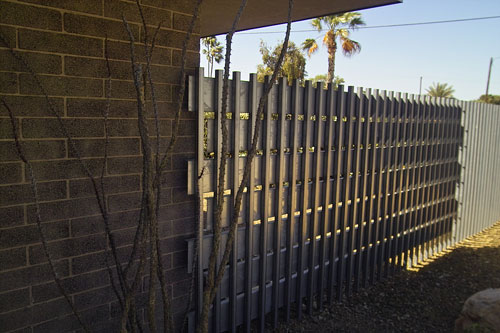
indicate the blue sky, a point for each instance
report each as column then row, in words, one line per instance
column 396, row 58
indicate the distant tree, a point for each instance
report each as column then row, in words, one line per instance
column 323, row 78
column 491, row 99
column 213, row 50
column 293, row 67
column 440, row 90
column 338, row 27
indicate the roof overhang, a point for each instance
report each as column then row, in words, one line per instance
column 217, row 15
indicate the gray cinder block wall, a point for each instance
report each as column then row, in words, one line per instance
column 63, row 41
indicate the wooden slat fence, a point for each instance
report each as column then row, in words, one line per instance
column 347, row 187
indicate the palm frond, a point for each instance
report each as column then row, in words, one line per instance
column 440, row 90
column 342, row 33
column 310, row 46
column 326, row 38
column 316, row 23
column 349, row 46
column 356, row 22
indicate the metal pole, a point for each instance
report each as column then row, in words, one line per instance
column 489, row 75
column 420, row 90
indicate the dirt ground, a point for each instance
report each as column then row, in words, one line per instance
column 426, row 299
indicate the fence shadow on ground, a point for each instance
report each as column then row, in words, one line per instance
column 426, row 299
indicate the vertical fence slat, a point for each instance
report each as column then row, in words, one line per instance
column 236, row 182
column 406, row 179
column 264, row 202
column 379, row 156
column 304, row 220
column 438, row 213
column 432, row 175
column 386, row 216
column 480, row 188
column 326, row 216
column 338, row 248
column 464, row 208
column 363, row 157
column 478, row 168
column 486, row 169
column 250, row 207
column 339, row 141
column 216, row 314
column 377, row 179
column 318, row 139
column 415, row 177
column 292, row 198
column 494, row 147
column 455, row 170
column 369, row 186
column 421, row 183
column 453, row 187
column 497, row 160
column 384, row 182
column 200, row 170
column 458, row 143
column 478, row 123
column 420, row 178
column 400, row 165
column 468, row 200
column 436, row 175
column 279, row 198
column 464, row 218
column 427, row 177
column 473, row 116
column 345, row 224
column 489, row 168
column 354, row 251
column 393, row 165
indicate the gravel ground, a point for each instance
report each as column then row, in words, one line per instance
column 425, row 299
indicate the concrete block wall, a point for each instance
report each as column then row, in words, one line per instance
column 63, row 41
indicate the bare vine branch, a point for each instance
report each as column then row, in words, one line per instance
column 146, row 238
column 95, row 187
column 182, row 87
column 105, row 115
column 167, row 319
column 148, row 172
column 212, row 285
column 253, row 151
column 195, row 261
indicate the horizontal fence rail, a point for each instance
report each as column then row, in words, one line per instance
column 347, row 187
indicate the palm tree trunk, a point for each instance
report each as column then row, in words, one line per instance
column 332, row 49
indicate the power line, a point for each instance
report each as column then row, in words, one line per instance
column 386, row 26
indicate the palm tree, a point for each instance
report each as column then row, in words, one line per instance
column 338, row 27
column 440, row 90
column 213, row 51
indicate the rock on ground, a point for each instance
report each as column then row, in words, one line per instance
column 480, row 311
